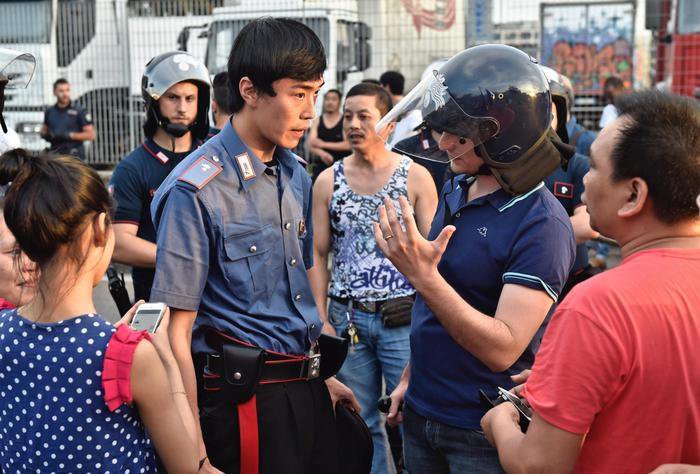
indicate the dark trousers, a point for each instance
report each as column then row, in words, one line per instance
column 142, row 291
column 296, row 427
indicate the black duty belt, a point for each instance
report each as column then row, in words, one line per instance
column 276, row 367
column 370, row 306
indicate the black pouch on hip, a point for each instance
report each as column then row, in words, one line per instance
column 333, row 352
column 397, row 312
column 242, row 370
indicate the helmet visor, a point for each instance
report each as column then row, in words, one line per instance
column 431, row 111
column 16, row 68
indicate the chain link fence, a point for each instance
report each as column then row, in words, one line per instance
column 102, row 46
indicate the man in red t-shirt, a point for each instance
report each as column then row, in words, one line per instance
column 616, row 383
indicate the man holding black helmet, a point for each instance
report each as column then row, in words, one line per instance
column 175, row 88
column 500, row 251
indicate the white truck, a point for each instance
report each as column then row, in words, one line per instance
column 336, row 22
column 101, row 48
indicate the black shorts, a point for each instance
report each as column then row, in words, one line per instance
column 296, row 427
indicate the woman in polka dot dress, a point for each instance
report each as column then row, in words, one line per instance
column 76, row 393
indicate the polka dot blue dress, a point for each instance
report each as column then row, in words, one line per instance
column 53, row 417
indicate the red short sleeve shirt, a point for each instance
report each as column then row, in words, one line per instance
column 620, row 363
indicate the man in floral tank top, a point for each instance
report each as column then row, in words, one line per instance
column 370, row 301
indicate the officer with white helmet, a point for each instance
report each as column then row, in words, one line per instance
column 498, row 253
column 176, row 91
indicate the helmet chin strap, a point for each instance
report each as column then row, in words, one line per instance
column 3, row 83
column 175, row 130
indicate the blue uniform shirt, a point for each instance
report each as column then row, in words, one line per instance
column 133, row 184
column 579, row 137
column 523, row 240
column 567, row 187
column 234, row 244
column 64, row 120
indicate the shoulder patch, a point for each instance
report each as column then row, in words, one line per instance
column 201, row 172
column 563, row 190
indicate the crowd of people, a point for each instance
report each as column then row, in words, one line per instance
column 431, row 258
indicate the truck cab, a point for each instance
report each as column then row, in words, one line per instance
column 344, row 37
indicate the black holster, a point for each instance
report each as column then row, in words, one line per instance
column 241, row 368
column 333, row 352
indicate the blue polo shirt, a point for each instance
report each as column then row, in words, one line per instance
column 580, row 137
column 523, row 240
column 64, row 120
column 567, row 187
column 213, row 131
column 234, row 244
column 133, row 184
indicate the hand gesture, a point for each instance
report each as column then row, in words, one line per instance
column 412, row 254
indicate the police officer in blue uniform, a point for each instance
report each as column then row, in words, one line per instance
column 66, row 124
column 567, row 184
column 500, row 250
column 234, row 245
column 175, row 89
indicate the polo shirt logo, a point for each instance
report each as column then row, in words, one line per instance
column 482, row 231
column 246, row 166
column 565, row 190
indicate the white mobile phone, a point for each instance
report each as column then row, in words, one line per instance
column 148, row 317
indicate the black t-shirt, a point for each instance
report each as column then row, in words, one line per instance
column 64, row 120
column 133, row 184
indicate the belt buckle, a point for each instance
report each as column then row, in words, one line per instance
column 368, row 306
column 311, row 368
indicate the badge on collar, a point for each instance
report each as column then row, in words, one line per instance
column 162, row 157
column 302, row 228
column 246, row 166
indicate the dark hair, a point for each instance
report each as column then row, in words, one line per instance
column 268, row 49
column 394, row 80
column 221, row 95
column 382, row 98
column 614, row 82
column 661, row 145
column 49, row 203
column 59, row 82
column 371, row 81
column 334, row 91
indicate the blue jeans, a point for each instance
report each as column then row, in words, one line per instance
column 431, row 447
column 380, row 352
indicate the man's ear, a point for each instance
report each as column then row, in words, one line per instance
column 387, row 130
column 637, row 197
column 248, row 91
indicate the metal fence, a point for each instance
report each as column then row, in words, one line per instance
column 102, row 46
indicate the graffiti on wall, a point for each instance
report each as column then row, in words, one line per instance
column 588, row 65
column 589, row 42
column 441, row 18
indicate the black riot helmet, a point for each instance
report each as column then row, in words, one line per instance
column 16, row 70
column 164, row 71
column 497, row 97
column 561, row 98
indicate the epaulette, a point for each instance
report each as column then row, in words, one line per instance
column 203, row 170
